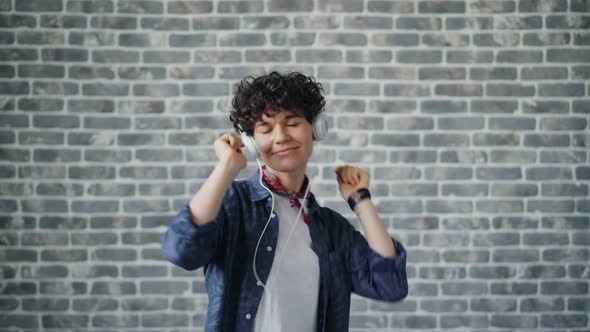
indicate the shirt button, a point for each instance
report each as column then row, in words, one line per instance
column 259, row 283
column 273, row 215
column 248, row 316
column 269, row 248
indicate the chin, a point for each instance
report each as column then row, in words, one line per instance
column 286, row 165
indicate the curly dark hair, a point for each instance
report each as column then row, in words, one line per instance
column 267, row 94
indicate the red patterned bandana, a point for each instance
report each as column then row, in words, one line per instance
column 276, row 186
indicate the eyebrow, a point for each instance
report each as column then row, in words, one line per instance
column 288, row 117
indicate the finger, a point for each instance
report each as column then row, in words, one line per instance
column 355, row 176
column 348, row 173
column 235, row 142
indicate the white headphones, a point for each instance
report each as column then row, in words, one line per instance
column 319, row 127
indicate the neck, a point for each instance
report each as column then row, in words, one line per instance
column 292, row 181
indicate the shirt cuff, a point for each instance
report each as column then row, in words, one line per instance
column 381, row 263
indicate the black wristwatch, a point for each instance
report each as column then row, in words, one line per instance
column 358, row 196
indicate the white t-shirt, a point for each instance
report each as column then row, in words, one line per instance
column 290, row 300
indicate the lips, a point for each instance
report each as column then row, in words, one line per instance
column 285, row 151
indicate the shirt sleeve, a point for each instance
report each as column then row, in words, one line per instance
column 191, row 246
column 373, row 275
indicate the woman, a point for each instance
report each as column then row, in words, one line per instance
column 274, row 260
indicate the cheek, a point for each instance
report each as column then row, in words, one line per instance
column 264, row 145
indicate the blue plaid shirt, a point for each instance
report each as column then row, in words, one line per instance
column 225, row 248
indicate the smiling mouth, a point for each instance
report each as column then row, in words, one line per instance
column 286, row 152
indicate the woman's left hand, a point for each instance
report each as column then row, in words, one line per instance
column 350, row 179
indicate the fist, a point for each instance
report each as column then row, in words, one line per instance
column 350, row 179
column 228, row 149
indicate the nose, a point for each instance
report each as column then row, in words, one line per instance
column 280, row 134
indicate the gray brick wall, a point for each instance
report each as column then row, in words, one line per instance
column 472, row 117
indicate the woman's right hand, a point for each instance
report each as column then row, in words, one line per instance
column 228, row 149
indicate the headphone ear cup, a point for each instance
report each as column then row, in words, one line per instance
column 320, row 127
column 251, row 147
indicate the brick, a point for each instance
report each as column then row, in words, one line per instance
column 441, row 7
column 478, row 23
column 541, row 304
column 55, row 88
column 519, row 56
column 40, row 104
column 138, row 73
column 64, row 54
column 357, row 89
column 17, row 20
column 96, row 38
column 543, row 73
column 40, row 37
column 502, row 39
column 13, row 88
column 317, row 22
column 265, row 22
column 217, row 56
column 418, row 23
column 292, row 38
column 413, row 90
column 114, row 22
column 239, row 7
column 165, row 24
column 513, row 321
column 140, row 7
column 192, row 40
column 338, row 6
column 491, row 6
column 341, row 39
column 390, row 7
column 115, row 254
column 370, row 56
column 564, row 320
column 561, row 90
column 546, row 39
column 38, row 5
column 242, row 39
column 7, row 38
column 367, row 22
column 158, row 320
column 496, row 73
column 42, row 172
column 565, row 22
column 106, row 190
column 105, row 89
column 64, row 255
column 469, row 56
column 520, row 22
column 20, row 321
column 82, row 6
column 94, row 304
column 166, row 57
column 565, row 255
column 56, row 304
column 419, row 57
column 513, row 288
column 63, row 21
column 493, row 305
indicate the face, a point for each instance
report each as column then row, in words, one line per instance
column 285, row 141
